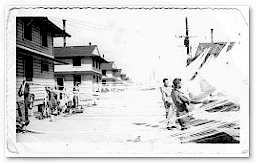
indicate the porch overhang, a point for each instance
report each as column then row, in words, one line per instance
column 77, row 72
column 41, row 54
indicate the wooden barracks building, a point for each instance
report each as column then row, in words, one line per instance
column 111, row 74
column 41, row 64
column 34, row 54
column 84, row 67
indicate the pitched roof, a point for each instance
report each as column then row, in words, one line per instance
column 71, row 51
column 108, row 66
column 215, row 49
column 44, row 22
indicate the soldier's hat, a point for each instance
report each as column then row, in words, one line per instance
column 176, row 81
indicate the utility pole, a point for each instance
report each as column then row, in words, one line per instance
column 211, row 35
column 186, row 40
column 64, row 30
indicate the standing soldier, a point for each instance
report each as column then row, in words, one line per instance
column 76, row 97
column 168, row 104
column 51, row 103
column 26, row 105
column 181, row 101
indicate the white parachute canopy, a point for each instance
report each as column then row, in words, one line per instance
column 227, row 73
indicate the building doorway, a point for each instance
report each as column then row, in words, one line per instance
column 76, row 79
column 60, row 83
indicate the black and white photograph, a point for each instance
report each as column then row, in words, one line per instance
column 131, row 81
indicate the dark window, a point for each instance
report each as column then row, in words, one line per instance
column 77, row 78
column 28, row 68
column 97, row 79
column 28, row 30
column 93, row 63
column 104, row 72
column 44, row 66
column 76, row 61
column 44, row 38
column 104, row 81
column 93, row 76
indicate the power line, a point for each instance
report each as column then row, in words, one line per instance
column 102, row 28
column 82, row 26
column 82, row 23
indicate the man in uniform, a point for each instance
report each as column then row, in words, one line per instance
column 168, row 104
column 181, row 102
column 24, row 106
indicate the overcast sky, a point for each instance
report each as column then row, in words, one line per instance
column 143, row 42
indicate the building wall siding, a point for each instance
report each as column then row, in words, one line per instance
column 88, row 84
column 86, row 65
column 87, row 60
column 35, row 43
column 20, row 66
column 40, row 78
column 68, row 82
column 109, row 73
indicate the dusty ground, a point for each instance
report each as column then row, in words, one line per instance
column 124, row 119
column 118, row 117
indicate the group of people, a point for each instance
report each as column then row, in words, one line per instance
column 176, row 104
column 56, row 102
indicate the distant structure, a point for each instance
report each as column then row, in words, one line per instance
column 85, row 67
column 111, row 74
